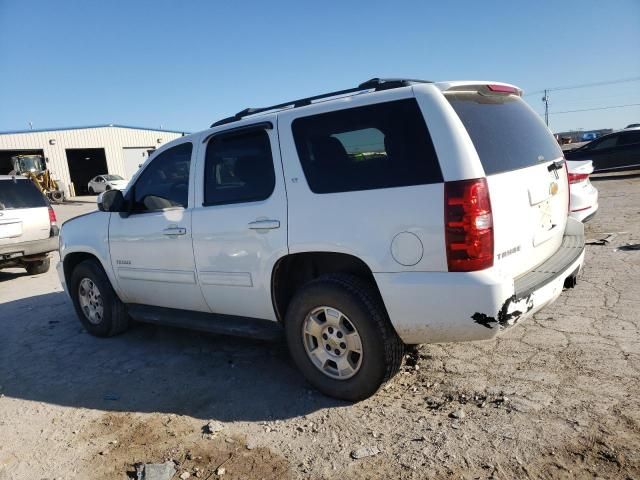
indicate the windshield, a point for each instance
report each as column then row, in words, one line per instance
column 110, row 178
column 29, row 164
column 507, row 133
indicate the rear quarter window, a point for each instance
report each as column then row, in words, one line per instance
column 20, row 193
column 506, row 132
column 363, row 148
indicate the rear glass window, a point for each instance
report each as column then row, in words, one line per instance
column 376, row 146
column 506, row 132
column 20, row 194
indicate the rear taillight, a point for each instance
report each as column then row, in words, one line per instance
column 566, row 171
column 577, row 177
column 52, row 216
column 468, row 225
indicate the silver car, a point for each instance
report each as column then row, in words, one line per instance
column 28, row 229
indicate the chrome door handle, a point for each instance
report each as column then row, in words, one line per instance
column 264, row 224
column 171, row 231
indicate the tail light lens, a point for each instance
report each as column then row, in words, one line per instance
column 566, row 170
column 52, row 216
column 577, row 177
column 468, row 225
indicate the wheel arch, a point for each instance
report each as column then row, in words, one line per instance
column 73, row 259
column 294, row 270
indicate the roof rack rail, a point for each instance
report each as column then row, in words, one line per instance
column 376, row 84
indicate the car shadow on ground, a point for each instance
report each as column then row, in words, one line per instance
column 6, row 276
column 46, row 356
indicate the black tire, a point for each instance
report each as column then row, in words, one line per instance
column 115, row 319
column 91, row 191
column 382, row 349
column 36, row 268
column 107, row 188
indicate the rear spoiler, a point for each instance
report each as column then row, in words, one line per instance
column 486, row 87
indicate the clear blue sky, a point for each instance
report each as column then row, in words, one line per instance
column 183, row 64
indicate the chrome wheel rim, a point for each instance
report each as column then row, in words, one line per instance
column 332, row 343
column 90, row 301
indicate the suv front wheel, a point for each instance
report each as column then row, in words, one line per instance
column 340, row 337
column 100, row 310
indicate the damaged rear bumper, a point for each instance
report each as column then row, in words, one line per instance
column 434, row 307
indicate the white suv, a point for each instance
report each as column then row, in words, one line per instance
column 28, row 229
column 398, row 212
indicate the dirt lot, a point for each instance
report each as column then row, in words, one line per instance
column 556, row 397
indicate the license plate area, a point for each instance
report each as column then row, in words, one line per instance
column 10, row 229
column 546, row 227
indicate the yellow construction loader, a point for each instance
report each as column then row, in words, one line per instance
column 35, row 168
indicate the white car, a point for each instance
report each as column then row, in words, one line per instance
column 584, row 196
column 102, row 183
column 396, row 212
column 28, row 229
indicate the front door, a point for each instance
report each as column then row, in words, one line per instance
column 151, row 247
column 602, row 152
column 240, row 221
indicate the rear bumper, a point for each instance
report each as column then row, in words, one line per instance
column 18, row 250
column 434, row 307
column 584, row 201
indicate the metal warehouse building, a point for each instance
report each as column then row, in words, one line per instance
column 76, row 155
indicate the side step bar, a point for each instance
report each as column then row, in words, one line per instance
column 207, row 322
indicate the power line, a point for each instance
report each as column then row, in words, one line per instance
column 585, row 85
column 597, row 108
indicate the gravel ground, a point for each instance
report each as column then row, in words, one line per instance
column 555, row 397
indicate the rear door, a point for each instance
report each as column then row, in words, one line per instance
column 240, row 221
column 24, row 212
column 525, row 173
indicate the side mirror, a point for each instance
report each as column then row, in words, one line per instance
column 111, row 201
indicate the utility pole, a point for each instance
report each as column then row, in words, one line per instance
column 545, row 99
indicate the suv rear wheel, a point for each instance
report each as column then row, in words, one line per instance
column 100, row 310
column 340, row 337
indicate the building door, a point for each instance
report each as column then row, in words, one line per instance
column 84, row 164
column 133, row 158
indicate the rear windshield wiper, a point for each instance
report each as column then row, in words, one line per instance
column 556, row 165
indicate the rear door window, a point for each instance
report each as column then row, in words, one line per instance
column 20, row 193
column 239, row 168
column 376, row 146
column 506, row 132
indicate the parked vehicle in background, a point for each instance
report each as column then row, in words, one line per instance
column 615, row 151
column 583, row 203
column 102, row 183
column 207, row 236
column 633, row 125
column 34, row 167
column 587, row 137
column 28, row 229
